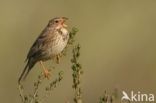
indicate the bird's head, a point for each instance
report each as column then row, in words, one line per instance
column 58, row 22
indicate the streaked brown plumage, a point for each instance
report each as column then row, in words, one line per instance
column 50, row 43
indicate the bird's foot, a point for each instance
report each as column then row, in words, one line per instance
column 46, row 73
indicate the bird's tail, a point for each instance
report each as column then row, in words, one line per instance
column 23, row 73
column 26, row 71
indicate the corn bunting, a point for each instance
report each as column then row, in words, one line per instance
column 50, row 43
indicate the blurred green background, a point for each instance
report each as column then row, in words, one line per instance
column 117, row 39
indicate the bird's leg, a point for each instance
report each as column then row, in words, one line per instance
column 46, row 71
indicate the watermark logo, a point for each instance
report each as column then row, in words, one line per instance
column 137, row 97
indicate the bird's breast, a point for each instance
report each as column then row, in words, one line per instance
column 59, row 42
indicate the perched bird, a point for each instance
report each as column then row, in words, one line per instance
column 50, row 43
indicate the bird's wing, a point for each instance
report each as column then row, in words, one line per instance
column 40, row 44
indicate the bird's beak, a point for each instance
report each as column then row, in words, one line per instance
column 64, row 20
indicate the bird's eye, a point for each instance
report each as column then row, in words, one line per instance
column 56, row 21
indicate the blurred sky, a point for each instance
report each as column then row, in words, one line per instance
column 117, row 39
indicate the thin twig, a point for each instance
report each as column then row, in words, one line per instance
column 34, row 95
column 52, row 85
column 37, row 84
column 20, row 88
